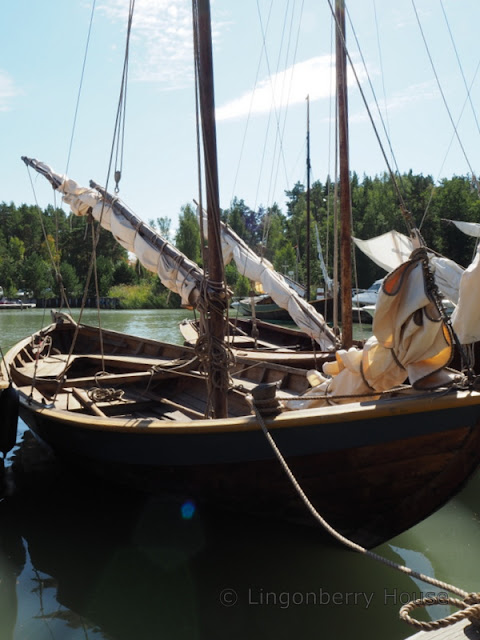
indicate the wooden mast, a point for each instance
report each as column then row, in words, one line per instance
column 345, row 200
column 308, row 294
column 216, row 320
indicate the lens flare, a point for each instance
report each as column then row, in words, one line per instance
column 188, row 510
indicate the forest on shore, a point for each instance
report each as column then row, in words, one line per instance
column 37, row 245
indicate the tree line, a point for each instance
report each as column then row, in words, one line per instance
column 40, row 250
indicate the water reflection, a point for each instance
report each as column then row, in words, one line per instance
column 80, row 559
column 159, row 324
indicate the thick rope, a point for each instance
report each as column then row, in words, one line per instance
column 105, row 394
column 469, row 609
column 470, row 602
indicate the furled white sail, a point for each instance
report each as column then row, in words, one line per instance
column 469, row 228
column 273, row 283
column 176, row 271
column 326, row 277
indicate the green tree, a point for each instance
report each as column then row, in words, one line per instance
column 187, row 238
column 37, row 276
column 71, row 283
column 162, row 225
column 16, row 249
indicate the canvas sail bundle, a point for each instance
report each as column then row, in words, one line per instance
column 175, row 270
column 409, row 340
column 260, row 270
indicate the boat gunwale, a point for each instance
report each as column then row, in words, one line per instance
column 295, row 419
column 385, row 407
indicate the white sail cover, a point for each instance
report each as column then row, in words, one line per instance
column 409, row 340
column 172, row 267
column 391, row 249
column 273, row 283
column 466, row 316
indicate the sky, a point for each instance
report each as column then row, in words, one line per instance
column 420, row 56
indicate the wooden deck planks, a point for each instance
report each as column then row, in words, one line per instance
column 462, row 630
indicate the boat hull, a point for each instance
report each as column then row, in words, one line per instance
column 372, row 468
column 371, row 479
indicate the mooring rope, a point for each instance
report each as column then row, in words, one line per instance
column 469, row 603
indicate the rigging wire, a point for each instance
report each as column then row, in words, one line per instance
column 274, row 110
column 92, row 269
column 119, row 132
column 455, row 128
column 280, row 132
column 117, row 150
column 382, row 119
column 406, row 213
column 252, row 95
column 380, row 56
column 468, row 89
column 53, row 260
column 80, row 87
column 468, row 99
column 448, row 148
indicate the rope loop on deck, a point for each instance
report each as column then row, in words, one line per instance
column 469, row 608
column 105, row 394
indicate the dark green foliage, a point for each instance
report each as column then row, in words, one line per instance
column 187, row 238
column 35, row 245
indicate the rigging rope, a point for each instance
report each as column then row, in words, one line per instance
column 470, row 603
column 117, row 144
column 406, row 213
column 382, row 120
column 119, row 132
column 467, row 88
column 54, row 262
column 80, row 87
column 455, row 128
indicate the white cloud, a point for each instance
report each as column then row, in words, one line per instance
column 312, row 77
column 7, row 90
column 162, row 41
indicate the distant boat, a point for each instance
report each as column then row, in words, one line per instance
column 363, row 303
column 369, row 296
column 16, row 304
column 256, row 340
column 265, row 308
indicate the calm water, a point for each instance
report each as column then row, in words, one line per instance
column 81, row 560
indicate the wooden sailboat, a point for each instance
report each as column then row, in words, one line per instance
column 256, row 340
column 373, row 463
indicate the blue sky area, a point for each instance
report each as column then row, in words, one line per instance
column 267, row 56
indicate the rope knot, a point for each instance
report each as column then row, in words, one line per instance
column 473, row 611
column 469, row 608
